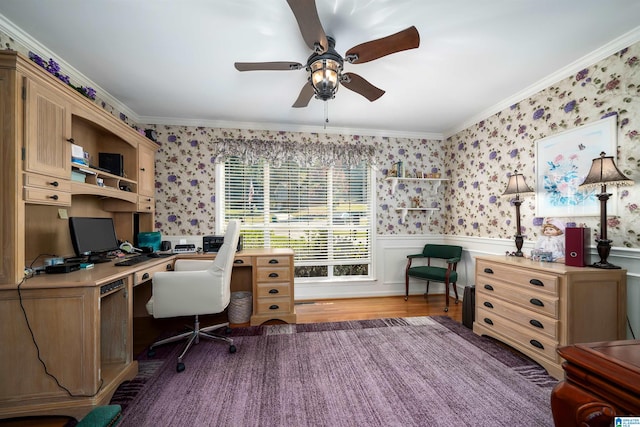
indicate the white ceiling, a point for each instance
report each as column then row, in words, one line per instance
column 171, row 61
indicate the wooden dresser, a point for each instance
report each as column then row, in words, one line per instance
column 273, row 287
column 536, row 307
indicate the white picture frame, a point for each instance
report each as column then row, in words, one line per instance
column 563, row 161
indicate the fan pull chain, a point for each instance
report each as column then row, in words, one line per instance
column 326, row 114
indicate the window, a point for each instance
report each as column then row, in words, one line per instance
column 323, row 213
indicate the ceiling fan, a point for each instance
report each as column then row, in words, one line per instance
column 325, row 64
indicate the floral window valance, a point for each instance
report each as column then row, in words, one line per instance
column 304, row 154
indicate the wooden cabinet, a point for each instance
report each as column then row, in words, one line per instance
column 40, row 117
column 536, row 307
column 273, row 296
column 47, row 130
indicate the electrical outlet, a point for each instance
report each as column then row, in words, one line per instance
column 62, row 214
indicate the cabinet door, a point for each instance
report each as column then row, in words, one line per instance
column 47, row 130
column 146, row 171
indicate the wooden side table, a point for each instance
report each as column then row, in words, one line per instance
column 602, row 381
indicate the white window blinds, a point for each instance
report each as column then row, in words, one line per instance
column 323, row 213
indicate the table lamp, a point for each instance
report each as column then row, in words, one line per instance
column 604, row 172
column 517, row 186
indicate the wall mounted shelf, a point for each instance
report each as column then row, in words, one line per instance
column 433, row 181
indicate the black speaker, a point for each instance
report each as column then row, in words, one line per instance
column 111, row 162
column 575, row 246
column 165, row 245
column 469, row 306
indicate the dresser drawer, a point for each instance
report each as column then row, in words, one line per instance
column 272, row 306
column 537, row 302
column 528, row 319
column 143, row 275
column 533, row 342
column 273, row 261
column 146, row 204
column 46, row 197
column 268, row 290
column 273, row 274
column 530, row 279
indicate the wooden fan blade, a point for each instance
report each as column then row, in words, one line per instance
column 306, row 14
column 374, row 49
column 305, row 96
column 278, row 65
column 359, row 85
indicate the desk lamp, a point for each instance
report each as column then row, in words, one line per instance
column 517, row 186
column 604, row 172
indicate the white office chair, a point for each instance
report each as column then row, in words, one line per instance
column 196, row 287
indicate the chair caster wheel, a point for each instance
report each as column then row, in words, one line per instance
column 446, row 309
column 457, row 301
column 232, row 349
column 151, row 353
column 180, row 367
column 227, row 330
column 406, row 298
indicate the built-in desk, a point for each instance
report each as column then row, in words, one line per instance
column 82, row 324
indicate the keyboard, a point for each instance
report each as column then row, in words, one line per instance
column 132, row 261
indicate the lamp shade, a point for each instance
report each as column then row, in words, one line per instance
column 605, row 172
column 517, row 185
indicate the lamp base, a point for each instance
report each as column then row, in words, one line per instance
column 519, row 243
column 604, row 247
column 605, row 265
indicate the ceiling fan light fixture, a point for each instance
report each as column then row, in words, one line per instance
column 325, row 77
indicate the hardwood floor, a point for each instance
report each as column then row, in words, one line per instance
column 336, row 310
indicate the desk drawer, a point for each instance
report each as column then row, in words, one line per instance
column 269, row 290
column 273, row 274
column 46, row 197
column 273, row 261
column 146, row 204
column 272, row 306
column 41, row 181
column 242, row 261
column 146, row 274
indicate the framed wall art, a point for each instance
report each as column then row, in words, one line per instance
column 563, row 161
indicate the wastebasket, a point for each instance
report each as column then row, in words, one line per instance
column 240, row 307
column 469, row 306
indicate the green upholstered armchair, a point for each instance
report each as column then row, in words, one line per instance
column 434, row 273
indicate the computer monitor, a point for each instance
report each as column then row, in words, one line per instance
column 93, row 237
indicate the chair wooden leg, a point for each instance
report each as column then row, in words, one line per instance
column 406, row 287
column 455, row 289
column 427, row 293
column 446, row 296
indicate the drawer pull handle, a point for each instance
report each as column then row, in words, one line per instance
column 488, row 304
column 489, row 321
column 273, row 275
column 238, row 261
column 536, row 282
column 142, row 169
column 274, row 291
column 54, row 197
column 536, row 323
column 71, row 140
column 273, row 261
column 536, row 301
column 536, row 343
column 488, row 270
column 55, row 183
column 274, row 307
column 169, row 267
column 145, row 276
column 488, row 287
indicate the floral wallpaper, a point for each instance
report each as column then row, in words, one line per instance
column 185, row 177
column 480, row 158
column 475, row 162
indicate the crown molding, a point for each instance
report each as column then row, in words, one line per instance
column 77, row 78
column 605, row 51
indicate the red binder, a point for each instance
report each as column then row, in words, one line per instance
column 576, row 246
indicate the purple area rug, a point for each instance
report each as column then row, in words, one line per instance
column 419, row 371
